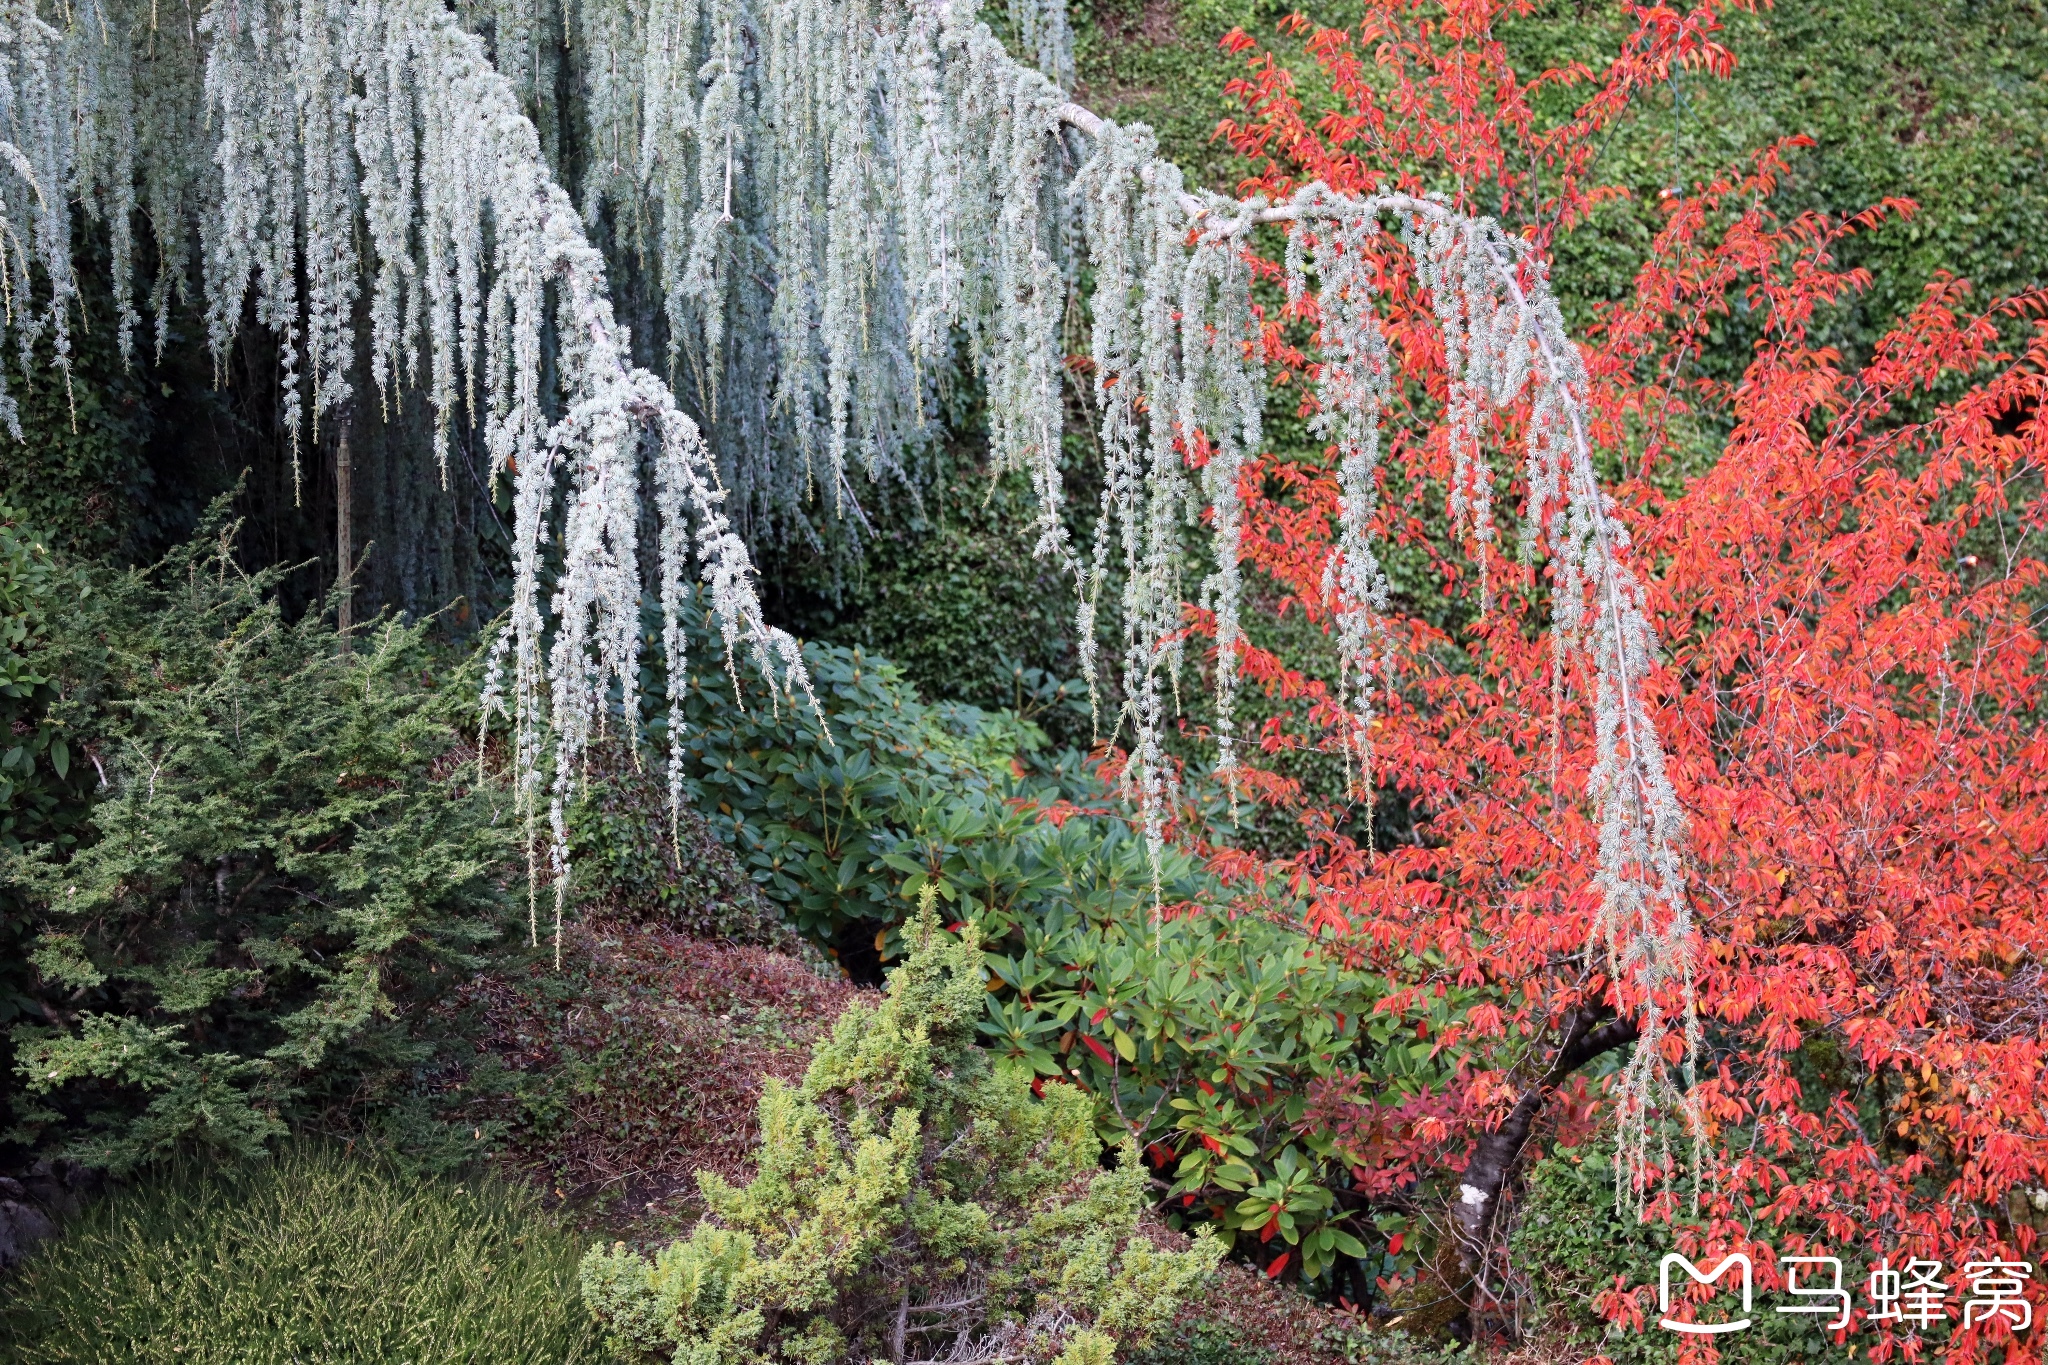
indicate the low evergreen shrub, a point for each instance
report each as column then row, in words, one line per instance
column 39, row 788
column 831, row 829
column 42, row 790
column 1202, row 1343
column 910, row 1201
column 638, row 860
column 316, row 1257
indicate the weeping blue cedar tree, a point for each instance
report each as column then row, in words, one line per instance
column 848, row 203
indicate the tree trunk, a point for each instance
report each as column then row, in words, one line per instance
column 344, row 536
column 1494, row 1158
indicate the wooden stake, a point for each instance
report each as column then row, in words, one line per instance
column 344, row 537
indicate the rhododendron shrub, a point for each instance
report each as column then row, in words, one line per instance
column 1846, row 602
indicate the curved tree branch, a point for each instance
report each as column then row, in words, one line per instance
column 1493, row 1160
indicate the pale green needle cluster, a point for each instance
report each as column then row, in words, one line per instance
column 910, row 1202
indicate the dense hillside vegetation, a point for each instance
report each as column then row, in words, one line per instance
column 1127, row 681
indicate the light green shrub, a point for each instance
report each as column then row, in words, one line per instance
column 315, row 1257
column 911, row 1202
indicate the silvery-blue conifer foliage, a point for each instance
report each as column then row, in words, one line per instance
column 838, row 204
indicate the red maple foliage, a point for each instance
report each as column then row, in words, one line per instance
column 1849, row 594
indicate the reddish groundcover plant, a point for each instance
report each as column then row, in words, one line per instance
column 1848, row 587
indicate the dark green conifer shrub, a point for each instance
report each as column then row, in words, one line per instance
column 1570, row 1247
column 42, row 792
column 287, row 852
